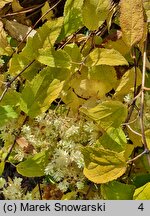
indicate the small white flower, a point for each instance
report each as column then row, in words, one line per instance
column 26, row 129
column 80, row 185
column 127, row 98
column 73, row 130
column 63, row 186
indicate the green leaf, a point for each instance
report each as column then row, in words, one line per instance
column 98, row 9
column 74, row 52
column 12, row 98
column 140, row 179
column 34, row 166
column 113, row 139
column 142, row 193
column 54, row 58
column 101, row 56
column 117, row 191
column 102, row 165
column 19, row 62
column 39, row 94
column 107, row 114
column 69, row 196
column 6, row 113
column 72, row 17
column 132, row 21
column 44, row 38
column 2, row 166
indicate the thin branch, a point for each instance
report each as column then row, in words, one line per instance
column 50, row 9
column 146, row 151
column 146, row 88
column 135, row 132
column 142, row 102
column 26, row 10
column 8, row 84
column 13, row 145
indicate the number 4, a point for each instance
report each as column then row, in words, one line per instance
column 141, row 207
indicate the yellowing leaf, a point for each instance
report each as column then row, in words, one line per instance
column 103, row 165
column 16, row 6
column 40, row 93
column 71, row 99
column 72, row 17
column 107, row 114
column 127, row 82
column 34, row 166
column 6, row 113
column 3, row 2
column 117, row 191
column 54, row 58
column 18, row 30
column 45, row 37
column 44, row 9
column 147, row 133
column 132, row 20
column 113, row 139
column 95, row 13
column 146, row 4
column 2, row 166
column 5, row 48
column 142, row 193
column 105, row 57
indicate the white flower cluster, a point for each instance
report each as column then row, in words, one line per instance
column 64, row 137
column 14, row 191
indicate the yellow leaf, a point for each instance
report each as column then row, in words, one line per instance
column 142, row 193
column 107, row 114
column 5, row 48
column 3, row 2
column 105, row 57
column 102, row 165
column 132, row 20
column 44, row 9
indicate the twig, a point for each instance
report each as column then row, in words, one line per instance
column 50, row 9
column 135, row 132
column 8, row 84
column 142, row 103
column 146, row 88
column 146, row 151
column 40, row 191
column 12, row 146
column 26, row 10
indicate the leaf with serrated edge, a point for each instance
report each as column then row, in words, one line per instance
column 105, row 57
column 43, row 90
column 103, row 165
column 34, row 166
column 132, row 20
column 142, row 193
column 54, row 58
column 127, row 82
column 99, row 10
column 117, row 191
column 6, row 113
column 107, row 114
